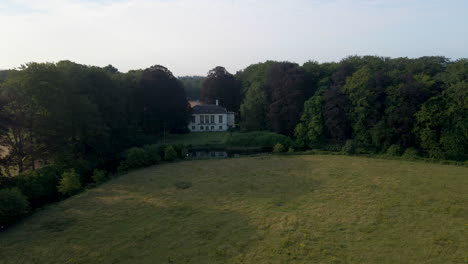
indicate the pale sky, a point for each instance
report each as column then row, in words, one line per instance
column 190, row 37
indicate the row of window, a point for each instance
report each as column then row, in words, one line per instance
column 208, row 119
column 207, row 127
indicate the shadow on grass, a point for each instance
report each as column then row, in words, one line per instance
column 135, row 231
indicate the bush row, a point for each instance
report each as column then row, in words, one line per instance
column 33, row 189
column 258, row 139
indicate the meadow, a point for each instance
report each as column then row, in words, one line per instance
column 262, row 209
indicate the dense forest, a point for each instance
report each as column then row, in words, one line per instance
column 67, row 112
column 75, row 114
column 368, row 104
column 65, row 125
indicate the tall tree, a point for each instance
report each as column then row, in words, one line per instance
column 310, row 131
column 336, row 108
column 223, row 86
column 254, row 110
column 366, row 93
column 192, row 86
column 161, row 101
column 285, row 88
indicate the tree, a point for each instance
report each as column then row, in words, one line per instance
column 254, row 76
column 285, row 88
column 403, row 101
column 192, row 86
column 366, row 93
column 442, row 123
column 335, row 114
column 310, row 131
column 13, row 206
column 254, row 110
column 160, row 102
column 223, row 86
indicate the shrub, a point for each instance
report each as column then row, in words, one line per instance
column 260, row 139
column 170, row 154
column 183, row 185
column 411, row 153
column 152, row 155
column 136, row 158
column 13, row 206
column 99, row 176
column 291, row 150
column 7, row 182
column 40, row 186
column 70, row 183
column 394, row 150
column 349, row 148
column 278, row 148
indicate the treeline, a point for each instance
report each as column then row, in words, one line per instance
column 82, row 116
column 192, row 86
column 370, row 104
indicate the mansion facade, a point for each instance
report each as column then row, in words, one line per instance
column 210, row 118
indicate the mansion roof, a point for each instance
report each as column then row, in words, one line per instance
column 208, row 109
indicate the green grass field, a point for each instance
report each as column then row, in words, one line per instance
column 265, row 209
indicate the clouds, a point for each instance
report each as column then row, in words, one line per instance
column 193, row 36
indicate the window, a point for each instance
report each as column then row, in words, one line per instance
column 220, row 127
column 193, row 119
column 201, row 127
column 212, row 119
column 212, row 127
column 193, row 127
column 220, row 119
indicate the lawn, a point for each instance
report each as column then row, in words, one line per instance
column 265, row 209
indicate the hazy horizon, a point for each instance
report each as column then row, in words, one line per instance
column 192, row 37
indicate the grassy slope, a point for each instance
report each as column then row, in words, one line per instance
column 270, row 209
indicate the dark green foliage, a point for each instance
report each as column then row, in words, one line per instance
column 278, row 148
column 394, row 150
column 40, row 186
column 160, row 102
column 170, row 154
column 136, row 158
column 285, row 87
column 99, row 176
column 7, row 182
column 375, row 101
column 310, row 131
column 152, row 154
column 183, row 185
column 192, row 86
column 410, row 153
column 223, row 86
column 260, row 139
column 141, row 157
column 350, row 147
column 13, row 206
column 254, row 110
column 70, row 183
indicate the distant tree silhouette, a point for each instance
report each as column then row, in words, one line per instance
column 223, row 86
column 161, row 101
column 285, row 87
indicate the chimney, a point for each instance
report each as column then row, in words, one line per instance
column 217, row 103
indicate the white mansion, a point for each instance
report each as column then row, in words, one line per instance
column 209, row 117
